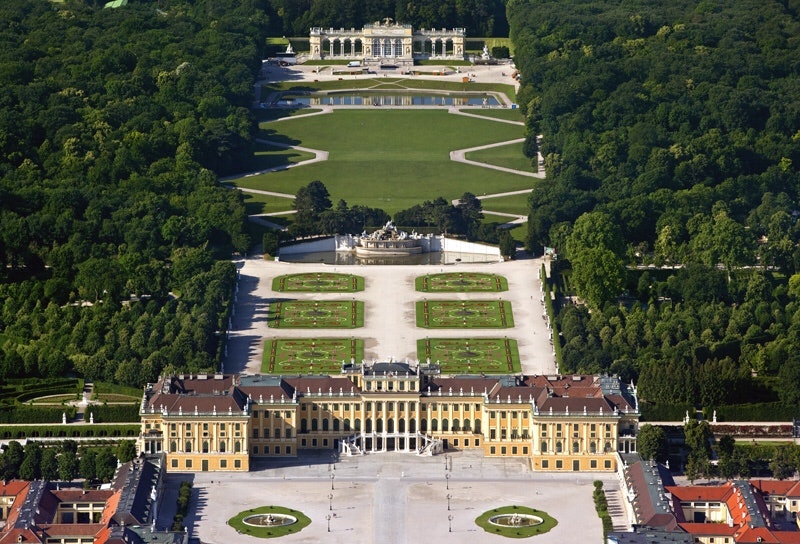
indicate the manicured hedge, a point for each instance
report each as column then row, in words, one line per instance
column 35, row 414
column 113, row 413
column 19, row 432
column 765, row 411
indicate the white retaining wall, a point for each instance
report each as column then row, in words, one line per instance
column 429, row 243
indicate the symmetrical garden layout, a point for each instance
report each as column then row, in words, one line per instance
column 309, row 355
column 323, row 282
column 472, row 314
column 461, row 282
column 311, row 314
column 471, row 355
column 322, row 355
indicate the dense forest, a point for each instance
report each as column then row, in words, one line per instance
column 114, row 124
column 671, row 137
column 480, row 17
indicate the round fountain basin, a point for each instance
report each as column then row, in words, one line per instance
column 515, row 520
column 269, row 520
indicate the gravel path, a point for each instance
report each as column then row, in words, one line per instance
column 390, row 329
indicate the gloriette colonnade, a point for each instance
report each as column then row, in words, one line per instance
column 387, row 42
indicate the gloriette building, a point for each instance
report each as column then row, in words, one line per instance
column 387, row 43
column 220, row 422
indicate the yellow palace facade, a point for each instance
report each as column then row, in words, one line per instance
column 221, row 422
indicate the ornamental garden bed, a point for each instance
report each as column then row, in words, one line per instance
column 456, row 314
column 310, row 314
column 471, row 355
column 499, row 521
column 310, row 355
column 323, row 282
column 469, row 282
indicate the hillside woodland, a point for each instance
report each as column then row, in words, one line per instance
column 114, row 124
column 671, row 138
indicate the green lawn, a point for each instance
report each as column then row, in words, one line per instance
column 504, row 113
column 269, row 156
column 256, row 203
column 310, row 314
column 325, row 282
column 237, row 522
column 548, row 522
column 473, row 314
column 310, row 355
column 509, row 156
column 471, row 355
column 517, row 204
column 389, row 159
column 469, row 282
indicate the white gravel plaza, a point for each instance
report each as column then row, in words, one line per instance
column 395, row 498
column 389, row 497
column 389, row 322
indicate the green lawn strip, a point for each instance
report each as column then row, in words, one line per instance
column 367, row 167
column 270, row 156
column 468, row 282
column 516, row 204
column 507, row 156
column 54, row 399
column 237, row 522
column 507, row 114
column 323, row 282
column 266, row 115
column 473, row 314
column 310, row 355
column 548, row 522
column 106, row 387
column 471, row 355
column 310, row 314
column 256, row 203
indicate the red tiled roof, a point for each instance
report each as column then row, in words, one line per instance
column 708, row 529
column 786, row 488
column 754, row 535
column 14, row 535
column 701, row 493
column 787, row 537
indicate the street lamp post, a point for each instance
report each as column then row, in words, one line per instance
column 448, row 502
column 330, row 502
column 333, row 476
column 447, row 479
column 328, row 517
column 449, row 523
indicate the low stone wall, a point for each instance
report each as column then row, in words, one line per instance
column 429, row 243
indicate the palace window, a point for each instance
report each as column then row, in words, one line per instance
column 325, row 424
column 237, row 447
column 188, row 463
column 335, row 424
column 222, row 447
column 255, row 433
column 544, row 447
column 492, row 414
column 445, row 426
column 544, row 429
column 503, row 450
column 593, row 463
column 559, row 463
column 558, row 447
column 188, row 448
column 513, row 450
column 288, row 433
column 314, row 424
column 455, row 425
column 575, row 447
column 493, row 434
column 205, row 446
column 492, row 450
column 266, row 433
column 545, row 463
column 502, row 434
column 237, row 463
